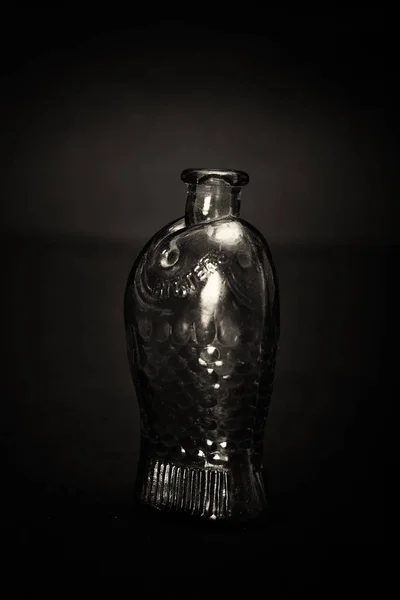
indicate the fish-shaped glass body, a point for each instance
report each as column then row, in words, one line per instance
column 202, row 325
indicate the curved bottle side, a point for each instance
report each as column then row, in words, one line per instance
column 218, row 371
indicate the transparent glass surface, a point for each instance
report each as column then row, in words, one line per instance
column 202, row 325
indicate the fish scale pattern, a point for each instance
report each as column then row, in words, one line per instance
column 201, row 399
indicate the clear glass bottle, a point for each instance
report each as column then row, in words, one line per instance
column 202, row 325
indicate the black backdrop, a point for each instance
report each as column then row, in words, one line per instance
column 99, row 116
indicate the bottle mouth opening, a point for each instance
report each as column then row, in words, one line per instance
column 230, row 177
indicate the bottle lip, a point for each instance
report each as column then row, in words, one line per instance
column 232, row 177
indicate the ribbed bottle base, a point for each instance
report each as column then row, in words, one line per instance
column 202, row 492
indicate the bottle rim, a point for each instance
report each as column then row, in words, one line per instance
column 232, row 177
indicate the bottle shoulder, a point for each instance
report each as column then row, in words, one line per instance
column 228, row 234
column 178, row 256
column 178, row 246
column 172, row 228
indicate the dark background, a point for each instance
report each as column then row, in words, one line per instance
column 100, row 115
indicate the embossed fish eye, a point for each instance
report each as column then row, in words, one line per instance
column 169, row 257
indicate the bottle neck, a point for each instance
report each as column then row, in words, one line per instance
column 214, row 199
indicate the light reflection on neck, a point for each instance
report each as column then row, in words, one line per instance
column 206, row 205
